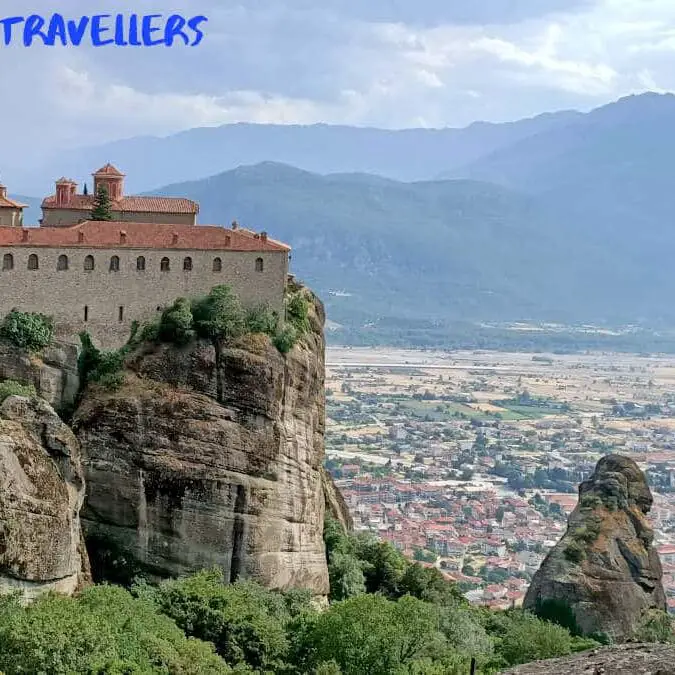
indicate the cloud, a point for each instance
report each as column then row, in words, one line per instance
column 390, row 63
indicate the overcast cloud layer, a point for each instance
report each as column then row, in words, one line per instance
column 387, row 63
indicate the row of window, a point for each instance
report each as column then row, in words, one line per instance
column 89, row 263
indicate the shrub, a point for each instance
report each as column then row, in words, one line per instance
column 94, row 364
column 176, row 324
column 527, row 638
column 345, row 573
column 574, row 552
column 104, row 630
column 655, row 626
column 13, row 388
column 27, row 330
column 262, row 319
column 112, row 381
column 245, row 622
column 297, row 312
column 285, row 339
column 149, row 332
column 219, row 316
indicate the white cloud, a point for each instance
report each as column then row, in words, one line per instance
column 292, row 61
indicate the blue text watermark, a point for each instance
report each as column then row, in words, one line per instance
column 102, row 30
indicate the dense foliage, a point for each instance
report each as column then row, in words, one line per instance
column 102, row 207
column 27, row 330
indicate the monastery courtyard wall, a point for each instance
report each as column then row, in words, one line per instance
column 113, row 299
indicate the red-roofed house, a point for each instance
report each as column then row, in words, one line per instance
column 66, row 207
column 11, row 212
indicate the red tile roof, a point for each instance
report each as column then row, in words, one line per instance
column 108, row 170
column 127, row 204
column 7, row 203
column 108, row 234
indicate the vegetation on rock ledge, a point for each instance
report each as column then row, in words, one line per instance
column 27, row 330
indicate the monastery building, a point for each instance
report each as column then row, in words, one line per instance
column 100, row 276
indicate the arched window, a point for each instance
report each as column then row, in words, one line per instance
column 165, row 265
column 187, row 264
column 62, row 263
column 8, row 262
column 115, row 264
column 33, row 263
column 259, row 265
column 217, row 265
column 89, row 263
column 140, row 263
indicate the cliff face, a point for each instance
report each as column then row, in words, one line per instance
column 210, row 457
column 53, row 373
column 605, row 568
column 41, row 492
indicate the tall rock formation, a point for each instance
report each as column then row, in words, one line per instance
column 41, row 492
column 210, row 457
column 605, row 572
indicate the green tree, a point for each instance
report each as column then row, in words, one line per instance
column 176, row 324
column 345, row 573
column 104, row 630
column 245, row 622
column 219, row 316
column 370, row 634
column 102, row 207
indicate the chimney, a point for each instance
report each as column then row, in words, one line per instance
column 3, row 191
column 24, row 235
column 80, row 237
column 235, row 225
column 263, row 236
column 123, row 237
column 174, row 239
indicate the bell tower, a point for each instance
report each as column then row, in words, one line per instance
column 110, row 178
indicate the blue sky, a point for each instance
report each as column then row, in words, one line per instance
column 387, row 63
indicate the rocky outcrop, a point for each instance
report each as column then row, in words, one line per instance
column 336, row 507
column 629, row 659
column 605, row 573
column 41, row 492
column 210, row 457
column 53, row 372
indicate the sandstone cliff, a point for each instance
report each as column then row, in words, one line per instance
column 41, row 492
column 629, row 659
column 210, row 457
column 53, row 372
column 604, row 570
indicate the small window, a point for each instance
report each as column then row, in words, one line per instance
column 259, row 265
column 114, row 264
column 120, row 313
column 8, row 262
column 140, row 263
column 89, row 263
column 187, row 264
column 62, row 263
column 217, row 265
column 33, row 263
column 86, row 313
column 165, row 265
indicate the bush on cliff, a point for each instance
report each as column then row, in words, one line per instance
column 13, row 388
column 177, row 324
column 27, row 330
column 219, row 316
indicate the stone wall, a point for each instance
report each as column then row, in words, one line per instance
column 137, row 295
column 66, row 217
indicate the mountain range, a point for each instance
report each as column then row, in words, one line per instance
column 564, row 217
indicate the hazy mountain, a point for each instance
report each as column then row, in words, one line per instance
column 408, row 154
column 439, row 250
